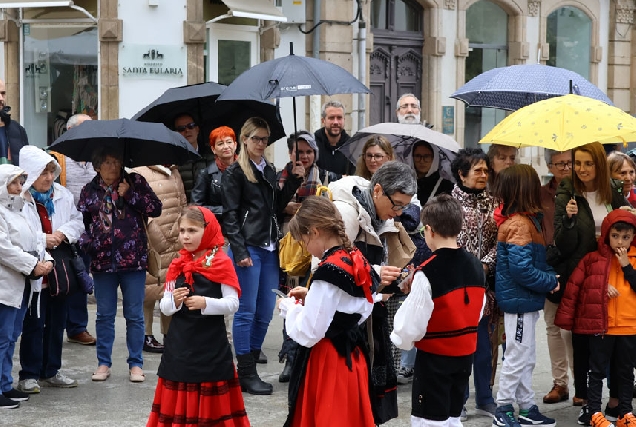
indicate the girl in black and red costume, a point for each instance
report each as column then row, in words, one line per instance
column 330, row 378
column 198, row 384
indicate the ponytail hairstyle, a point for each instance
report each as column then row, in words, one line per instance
column 247, row 131
column 321, row 213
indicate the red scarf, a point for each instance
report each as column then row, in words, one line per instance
column 222, row 166
column 355, row 264
column 219, row 270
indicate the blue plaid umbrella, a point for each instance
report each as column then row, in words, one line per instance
column 511, row 88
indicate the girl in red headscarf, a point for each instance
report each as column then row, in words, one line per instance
column 198, row 384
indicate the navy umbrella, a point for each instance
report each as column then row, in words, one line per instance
column 199, row 100
column 511, row 88
column 141, row 144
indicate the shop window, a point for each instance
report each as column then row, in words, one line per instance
column 569, row 33
column 487, row 32
column 60, row 77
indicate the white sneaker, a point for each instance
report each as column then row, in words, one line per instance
column 28, row 386
column 463, row 416
column 59, row 380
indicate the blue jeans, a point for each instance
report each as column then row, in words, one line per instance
column 256, row 305
column 407, row 359
column 482, row 365
column 42, row 337
column 11, row 319
column 77, row 318
column 133, row 290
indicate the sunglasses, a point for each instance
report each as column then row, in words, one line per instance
column 190, row 125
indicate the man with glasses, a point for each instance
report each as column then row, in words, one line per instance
column 559, row 341
column 332, row 136
column 185, row 124
column 408, row 109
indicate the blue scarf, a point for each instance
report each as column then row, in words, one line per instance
column 45, row 199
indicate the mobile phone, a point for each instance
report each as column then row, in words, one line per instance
column 279, row 293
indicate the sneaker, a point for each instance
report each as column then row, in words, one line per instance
column 151, row 345
column 59, row 380
column 29, row 386
column 532, row 417
column 6, row 403
column 598, row 420
column 505, row 417
column 463, row 416
column 584, row 416
column 405, row 375
column 611, row 413
column 18, row 396
column 486, row 410
column 627, row 420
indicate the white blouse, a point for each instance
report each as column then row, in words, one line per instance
column 228, row 304
column 307, row 324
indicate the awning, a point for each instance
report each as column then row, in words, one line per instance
column 255, row 9
column 16, row 4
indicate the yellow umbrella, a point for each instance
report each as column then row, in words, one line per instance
column 564, row 123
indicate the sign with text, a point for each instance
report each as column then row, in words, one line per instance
column 152, row 61
column 448, row 120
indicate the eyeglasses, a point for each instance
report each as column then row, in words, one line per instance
column 190, row 125
column 374, row 156
column 412, row 106
column 258, row 139
column 562, row 165
column 423, row 157
column 395, row 206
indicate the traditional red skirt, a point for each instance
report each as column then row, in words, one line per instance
column 218, row 404
column 332, row 395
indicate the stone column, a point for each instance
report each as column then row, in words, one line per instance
column 110, row 35
column 194, row 38
column 10, row 35
column 619, row 74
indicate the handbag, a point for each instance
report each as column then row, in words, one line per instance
column 400, row 247
column 85, row 281
column 62, row 280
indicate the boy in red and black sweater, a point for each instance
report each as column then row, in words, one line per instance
column 440, row 317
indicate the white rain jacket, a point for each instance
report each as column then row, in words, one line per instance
column 66, row 218
column 17, row 236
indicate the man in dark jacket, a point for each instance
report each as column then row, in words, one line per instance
column 332, row 136
column 12, row 136
column 185, row 124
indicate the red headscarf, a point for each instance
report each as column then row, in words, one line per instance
column 219, row 270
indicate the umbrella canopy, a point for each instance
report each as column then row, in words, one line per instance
column 402, row 138
column 516, row 86
column 292, row 76
column 141, row 144
column 200, row 101
column 564, row 123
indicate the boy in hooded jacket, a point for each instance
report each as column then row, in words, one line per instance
column 599, row 301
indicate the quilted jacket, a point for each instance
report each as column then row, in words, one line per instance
column 585, row 307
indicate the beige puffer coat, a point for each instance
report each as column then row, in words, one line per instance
column 163, row 231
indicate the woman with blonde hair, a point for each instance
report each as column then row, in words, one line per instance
column 376, row 152
column 623, row 168
column 252, row 200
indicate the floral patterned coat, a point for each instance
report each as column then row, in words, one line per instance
column 123, row 246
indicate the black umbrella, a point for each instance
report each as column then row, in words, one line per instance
column 199, row 100
column 292, row 76
column 141, row 144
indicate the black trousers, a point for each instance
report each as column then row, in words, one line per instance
column 622, row 348
column 581, row 356
column 439, row 384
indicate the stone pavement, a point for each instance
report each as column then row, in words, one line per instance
column 117, row 402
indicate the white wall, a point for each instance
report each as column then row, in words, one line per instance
column 144, row 25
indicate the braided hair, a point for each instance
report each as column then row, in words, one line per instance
column 321, row 213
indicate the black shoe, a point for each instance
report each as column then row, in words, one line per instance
column 6, row 403
column 151, row 345
column 286, row 374
column 16, row 395
column 611, row 414
column 584, row 416
column 248, row 377
column 259, row 356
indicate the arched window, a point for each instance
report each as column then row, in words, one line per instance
column 569, row 33
column 487, row 33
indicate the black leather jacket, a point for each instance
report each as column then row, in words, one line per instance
column 207, row 190
column 250, row 209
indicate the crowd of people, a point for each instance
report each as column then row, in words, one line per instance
column 382, row 302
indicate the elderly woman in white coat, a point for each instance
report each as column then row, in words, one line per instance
column 20, row 255
column 52, row 207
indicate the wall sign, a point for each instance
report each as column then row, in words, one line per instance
column 152, row 61
column 448, row 120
